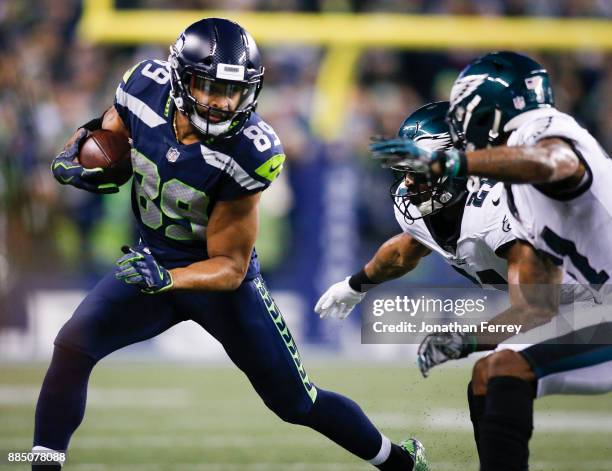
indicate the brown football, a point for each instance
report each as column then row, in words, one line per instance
column 110, row 151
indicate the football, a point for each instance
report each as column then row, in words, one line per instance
column 110, row 151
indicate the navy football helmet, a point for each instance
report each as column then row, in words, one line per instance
column 216, row 76
column 491, row 91
column 427, row 127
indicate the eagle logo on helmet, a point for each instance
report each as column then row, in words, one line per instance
column 490, row 92
column 465, row 86
column 413, row 194
column 432, row 142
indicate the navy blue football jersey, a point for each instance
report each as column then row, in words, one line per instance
column 176, row 186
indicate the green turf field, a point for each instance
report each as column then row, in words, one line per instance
column 170, row 417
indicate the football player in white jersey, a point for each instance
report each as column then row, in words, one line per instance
column 559, row 191
column 469, row 230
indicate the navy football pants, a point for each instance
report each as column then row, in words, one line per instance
column 246, row 322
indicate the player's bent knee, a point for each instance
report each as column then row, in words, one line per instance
column 70, row 359
column 293, row 412
column 81, row 336
column 509, row 363
column 298, row 416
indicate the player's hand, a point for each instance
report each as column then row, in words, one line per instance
column 139, row 267
column 436, row 349
column 404, row 154
column 67, row 170
column 339, row 300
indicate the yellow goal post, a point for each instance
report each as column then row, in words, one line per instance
column 346, row 35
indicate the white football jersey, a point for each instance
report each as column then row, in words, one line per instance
column 575, row 231
column 485, row 227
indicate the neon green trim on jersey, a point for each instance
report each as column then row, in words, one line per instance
column 271, row 167
column 167, row 107
column 64, row 165
column 283, row 330
column 104, row 186
column 130, row 71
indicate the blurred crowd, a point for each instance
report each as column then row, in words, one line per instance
column 456, row 7
column 50, row 82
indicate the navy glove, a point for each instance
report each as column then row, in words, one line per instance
column 436, row 349
column 139, row 267
column 67, row 170
column 404, row 154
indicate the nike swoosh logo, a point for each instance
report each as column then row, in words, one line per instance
column 496, row 202
column 274, row 168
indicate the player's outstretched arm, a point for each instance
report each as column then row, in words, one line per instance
column 394, row 258
column 231, row 233
column 551, row 160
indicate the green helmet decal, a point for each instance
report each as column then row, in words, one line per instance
column 427, row 126
column 491, row 91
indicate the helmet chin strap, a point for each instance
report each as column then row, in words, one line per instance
column 201, row 124
column 206, row 127
column 429, row 206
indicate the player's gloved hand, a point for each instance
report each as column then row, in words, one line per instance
column 67, row 170
column 339, row 300
column 436, row 349
column 139, row 267
column 404, row 153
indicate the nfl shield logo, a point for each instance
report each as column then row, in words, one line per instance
column 173, row 154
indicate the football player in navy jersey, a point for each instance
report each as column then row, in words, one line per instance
column 201, row 158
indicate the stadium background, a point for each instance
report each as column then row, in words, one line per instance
column 337, row 72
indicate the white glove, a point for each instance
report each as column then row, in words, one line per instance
column 339, row 300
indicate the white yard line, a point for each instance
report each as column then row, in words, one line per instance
column 550, row 422
column 108, row 441
column 591, row 465
column 111, row 397
column 256, row 466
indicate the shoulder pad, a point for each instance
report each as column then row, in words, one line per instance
column 258, row 150
column 547, row 123
column 143, row 94
column 145, row 75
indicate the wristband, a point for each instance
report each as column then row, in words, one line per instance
column 360, row 280
column 454, row 163
column 93, row 125
column 470, row 344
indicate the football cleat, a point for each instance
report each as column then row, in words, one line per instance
column 416, row 450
